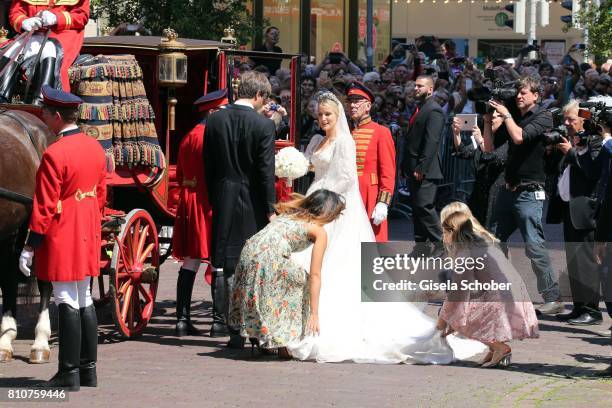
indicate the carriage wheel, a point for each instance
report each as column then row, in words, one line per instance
column 134, row 273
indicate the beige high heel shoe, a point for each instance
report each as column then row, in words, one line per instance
column 504, row 359
column 486, row 359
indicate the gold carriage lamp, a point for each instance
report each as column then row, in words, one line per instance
column 171, row 71
column 229, row 38
column 232, row 41
column 172, row 61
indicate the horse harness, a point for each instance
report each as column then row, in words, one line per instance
column 8, row 194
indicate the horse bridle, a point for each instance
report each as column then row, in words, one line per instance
column 12, row 195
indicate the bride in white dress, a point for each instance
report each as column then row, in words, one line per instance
column 383, row 333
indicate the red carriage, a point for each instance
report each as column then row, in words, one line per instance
column 142, row 199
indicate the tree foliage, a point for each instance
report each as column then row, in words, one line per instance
column 200, row 19
column 598, row 22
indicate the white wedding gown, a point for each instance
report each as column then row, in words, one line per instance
column 368, row 332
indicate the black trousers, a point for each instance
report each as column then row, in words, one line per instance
column 229, row 276
column 584, row 274
column 424, row 216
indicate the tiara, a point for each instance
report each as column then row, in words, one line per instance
column 325, row 96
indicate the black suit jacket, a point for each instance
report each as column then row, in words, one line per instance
column 584, row 175
column 422, row 148
column 239, row 164
column 603, row 232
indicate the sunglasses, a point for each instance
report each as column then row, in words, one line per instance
column 358, row 102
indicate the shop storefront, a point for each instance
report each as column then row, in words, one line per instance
column 477, row 26
column 314, row 27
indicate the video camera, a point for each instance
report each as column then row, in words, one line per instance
column 559, row 131
column 500, row 91
column 595, row 114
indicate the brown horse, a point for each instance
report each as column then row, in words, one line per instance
column 23, row 138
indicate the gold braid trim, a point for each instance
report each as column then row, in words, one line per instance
column 68, row 18
column 384, row 197
column 78, row 196
column 18, row 21
column 37, row 2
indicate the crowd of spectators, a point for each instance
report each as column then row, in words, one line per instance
column 393, row 81
column 515, row 161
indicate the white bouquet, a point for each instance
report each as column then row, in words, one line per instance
column 290, row 163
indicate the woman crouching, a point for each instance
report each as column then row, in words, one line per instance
column 275, row 300
column 493, row 317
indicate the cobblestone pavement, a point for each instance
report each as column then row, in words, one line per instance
column 161, row 370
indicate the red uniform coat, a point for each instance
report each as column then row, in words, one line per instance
column 70, row 193
column 72, row 16
column 192, row 227
column 375, row 169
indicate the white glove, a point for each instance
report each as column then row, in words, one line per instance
column 48, row 18
column 25, row 261
column 32, row 23
column 380, row 213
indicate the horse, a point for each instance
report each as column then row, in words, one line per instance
column 23, row 138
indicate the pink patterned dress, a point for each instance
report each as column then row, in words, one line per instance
column 493, row 315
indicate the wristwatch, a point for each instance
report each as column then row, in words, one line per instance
column 507, row 116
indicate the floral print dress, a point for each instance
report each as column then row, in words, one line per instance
column 270, row 299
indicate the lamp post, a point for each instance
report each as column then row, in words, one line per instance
column 171, row 73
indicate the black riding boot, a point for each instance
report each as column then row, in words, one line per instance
column 184, row 287
column 217, row 288
column 69, row 335
column 89, row 346
column 46, row 77
column 8, row 79
column 236, row 341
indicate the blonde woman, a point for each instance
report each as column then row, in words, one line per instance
column 491, row 316
column 458, row 206
column 368, row 332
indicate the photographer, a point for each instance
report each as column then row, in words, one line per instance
column 543, row 60
column 550, row 92
column 575, row 205
column 272, row 35
column 570, row 77
column 488, row 153
column 274, row 111
column 335, row 60
column 520, row 203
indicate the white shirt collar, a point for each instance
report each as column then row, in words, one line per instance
column 242, row 102
column 68, row 128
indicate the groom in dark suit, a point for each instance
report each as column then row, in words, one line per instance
column 239, row 165
column 422, row 165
